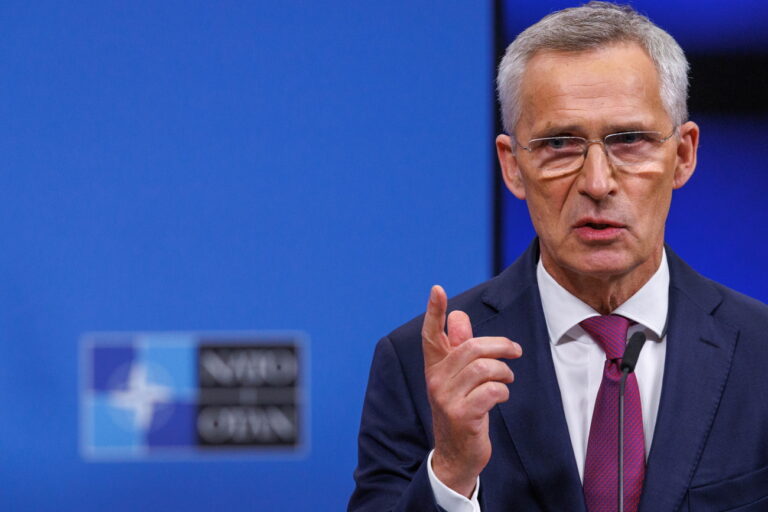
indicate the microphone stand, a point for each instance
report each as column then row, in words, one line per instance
column 622, row 386
column 628, row 363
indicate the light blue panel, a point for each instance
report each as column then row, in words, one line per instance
column 188, row 166
column 177, row 356
column 113, row 427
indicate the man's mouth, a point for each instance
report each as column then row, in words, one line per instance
column 598, row 224
column 591, row 229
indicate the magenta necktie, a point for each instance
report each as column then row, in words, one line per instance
column 601, row 470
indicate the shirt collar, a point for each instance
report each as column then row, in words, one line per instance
column 562, row 310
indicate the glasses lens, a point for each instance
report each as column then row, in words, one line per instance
column 557, row 154
column 634, row 148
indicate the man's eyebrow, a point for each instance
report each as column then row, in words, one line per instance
column 553, row 130
column 634, row 125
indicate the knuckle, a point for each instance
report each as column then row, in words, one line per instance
column 434, row 387
column 497, row 391
column 433, row 378
column 472, row 346
column 481, row 367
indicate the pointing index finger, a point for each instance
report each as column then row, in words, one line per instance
column 433, row 329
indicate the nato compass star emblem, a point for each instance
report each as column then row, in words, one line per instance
column 140, row 397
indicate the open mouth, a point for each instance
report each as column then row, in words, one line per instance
column 598, row 226
column 599, row 230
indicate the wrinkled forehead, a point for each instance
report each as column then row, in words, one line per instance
column 606, row 86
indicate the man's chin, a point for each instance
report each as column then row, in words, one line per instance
column 601, row 262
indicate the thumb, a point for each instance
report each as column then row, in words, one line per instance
column 459, row 328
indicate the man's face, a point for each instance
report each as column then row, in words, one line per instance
column 590, row 95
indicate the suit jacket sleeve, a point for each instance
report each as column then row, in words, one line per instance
column 393, row 443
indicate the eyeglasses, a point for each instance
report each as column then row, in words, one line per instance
column 632, row 151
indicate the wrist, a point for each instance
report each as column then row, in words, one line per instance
column 446, row 471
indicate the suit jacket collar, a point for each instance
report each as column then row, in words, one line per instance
column 699, row 353
column 700, row 349
column 534, row 415
column 514, row 281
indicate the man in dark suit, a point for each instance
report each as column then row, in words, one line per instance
column 509, row 403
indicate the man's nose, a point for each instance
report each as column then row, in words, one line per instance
column 597, row 174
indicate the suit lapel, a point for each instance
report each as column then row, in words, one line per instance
column 534, row 415
column 698, row 360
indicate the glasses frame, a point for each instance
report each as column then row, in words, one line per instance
column 588, row 142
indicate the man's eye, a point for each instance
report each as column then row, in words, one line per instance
column 559, row 143
column 628, row 138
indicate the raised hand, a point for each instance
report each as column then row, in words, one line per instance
column 465, row 379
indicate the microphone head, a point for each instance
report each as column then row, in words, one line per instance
column 632, row 352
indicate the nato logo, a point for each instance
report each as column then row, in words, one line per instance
column 154, row 395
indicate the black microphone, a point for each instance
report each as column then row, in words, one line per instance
column 628, row 363
column 632, row 352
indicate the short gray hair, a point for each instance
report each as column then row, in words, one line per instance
column 591, row 26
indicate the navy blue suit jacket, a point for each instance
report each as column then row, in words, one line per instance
column 710, row 446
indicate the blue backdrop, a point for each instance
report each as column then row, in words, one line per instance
column 181, row 166
column 285, row 165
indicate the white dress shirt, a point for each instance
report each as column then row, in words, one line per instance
column 579, row 363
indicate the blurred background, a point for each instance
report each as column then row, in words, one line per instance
column 286, row 166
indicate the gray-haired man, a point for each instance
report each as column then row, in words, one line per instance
column 509, row 402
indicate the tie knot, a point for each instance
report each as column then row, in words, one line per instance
column 609, row 331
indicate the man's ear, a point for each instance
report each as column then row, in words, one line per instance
column 686, row 153
column 510, row 171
